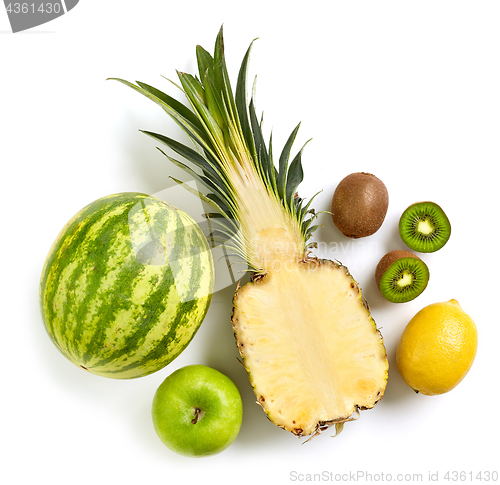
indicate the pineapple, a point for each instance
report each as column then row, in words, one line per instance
column 305, row 334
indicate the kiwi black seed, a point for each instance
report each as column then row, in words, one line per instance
column 424, row 227
column 359, row 205
column 401, row 276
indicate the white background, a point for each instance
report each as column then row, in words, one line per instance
column 408, row 91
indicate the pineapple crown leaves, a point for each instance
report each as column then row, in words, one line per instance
column 225, row 130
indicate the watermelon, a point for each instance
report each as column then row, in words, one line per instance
column 126, row 285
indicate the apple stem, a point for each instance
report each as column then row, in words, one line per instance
column 197, row 412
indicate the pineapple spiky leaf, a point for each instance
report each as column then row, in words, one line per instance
column 294, row 177
column 242, row 105
column 283, row 162
column 193, row 156
column 166, row 100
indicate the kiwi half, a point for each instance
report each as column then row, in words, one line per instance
column 424, row 227
column 401, row 276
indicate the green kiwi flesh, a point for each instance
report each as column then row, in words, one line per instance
column 401, row 276
column 424, row 227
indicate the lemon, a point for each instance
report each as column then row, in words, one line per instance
column 437, row 348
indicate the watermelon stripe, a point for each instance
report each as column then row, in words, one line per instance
column 177, row 257
column 92, row 241
column 156, row 304
column 168, row 339
column 101, row 261
column 64, row 248
column 126, row 285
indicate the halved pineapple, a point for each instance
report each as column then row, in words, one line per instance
column 311, row 348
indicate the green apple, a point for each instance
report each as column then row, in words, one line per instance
column 197, row 411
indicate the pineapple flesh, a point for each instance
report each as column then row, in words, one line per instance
column 310, row 346
column 312, row 351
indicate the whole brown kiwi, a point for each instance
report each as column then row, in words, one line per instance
column 388, row 259
column 359, row 205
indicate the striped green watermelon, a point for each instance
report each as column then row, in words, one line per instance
column 126, row 285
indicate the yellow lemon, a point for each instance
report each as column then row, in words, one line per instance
column 437, row 348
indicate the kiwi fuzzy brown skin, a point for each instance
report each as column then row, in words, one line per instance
column 387, row 261
column 359, row 205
